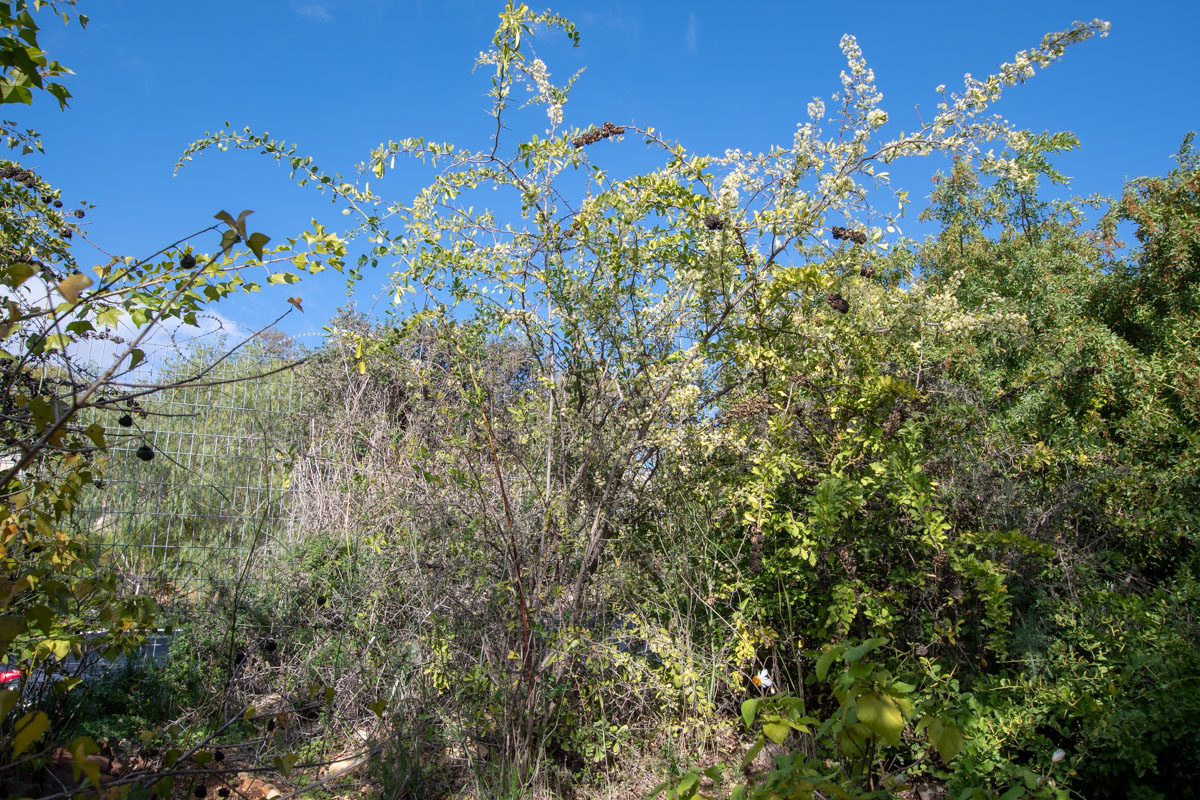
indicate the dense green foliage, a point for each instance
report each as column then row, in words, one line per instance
column 710, row 457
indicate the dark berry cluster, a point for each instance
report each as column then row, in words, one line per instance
column 594, row 135
column 867, row 271
column 714, row 222
column 858, row 237
column 837, row 303
column 188, row 261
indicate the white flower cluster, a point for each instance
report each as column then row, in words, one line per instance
column 1009, row 168
column 728, row 197
column 536, row 75
column 540, row 76
column 816, row 109
column 860, row 96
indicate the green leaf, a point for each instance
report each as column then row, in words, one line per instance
column 8, row 699
column 11, row 626
column 55, row 341
column 750, row 710
column 855, row 653
column 753, row 752
column 825, row 660
column 228, row 239
column 41, row 616
column 27, row 730
column 136, row 356
column 738, row 793
column 379, row 706
column 881, row 715
column 236, row 226
column 946, row 737
column 256, row 242
column 96, row 433
column 777, row 732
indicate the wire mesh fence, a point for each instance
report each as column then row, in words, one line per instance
column 196, row 478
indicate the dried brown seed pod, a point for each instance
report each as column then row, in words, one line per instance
column 714, row 222
column 593, row 135
column 837, row 303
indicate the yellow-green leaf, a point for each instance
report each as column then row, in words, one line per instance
column 28, row 730
column 95, row 432
column 881, row 715
column 777, row 732
column 71, row 286
column 109, row 317
column 61, row 648
column 18, row 273
column 80, row 749
column 285, row 763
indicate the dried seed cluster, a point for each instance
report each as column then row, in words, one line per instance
column 19, row 175
column 867, row 271
column 593, row 135
column 714, row 222
column 858, row 237
column 837, row 303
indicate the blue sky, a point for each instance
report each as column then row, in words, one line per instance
column 340, row 76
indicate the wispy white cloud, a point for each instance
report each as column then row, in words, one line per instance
column 314, row 10
column 171, row 339
column 692, row 36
